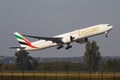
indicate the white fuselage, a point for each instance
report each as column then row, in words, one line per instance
column 77, row 34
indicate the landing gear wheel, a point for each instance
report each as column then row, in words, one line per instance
column 106, row 35
column 59, row 47
column 68, row 47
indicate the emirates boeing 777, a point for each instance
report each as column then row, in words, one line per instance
column 79, row 36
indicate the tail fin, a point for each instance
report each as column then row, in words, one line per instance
column 23, row 41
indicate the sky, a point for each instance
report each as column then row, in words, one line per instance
column 53, row 17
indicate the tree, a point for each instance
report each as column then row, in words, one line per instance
column 34, row 64
column 0, row 65
column 92, row 56
column 106, row 65
column 24, row 61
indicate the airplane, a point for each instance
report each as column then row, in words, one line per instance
column 79, row 36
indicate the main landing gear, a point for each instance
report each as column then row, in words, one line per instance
column 59, row 47
column 68, row 46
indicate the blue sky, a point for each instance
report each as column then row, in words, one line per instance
column 53, row 17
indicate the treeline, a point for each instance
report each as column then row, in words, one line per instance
column 92, row 61
column 107, row 66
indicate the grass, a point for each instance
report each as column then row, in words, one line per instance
column 58, row 76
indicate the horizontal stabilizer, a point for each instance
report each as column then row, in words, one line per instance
column 16, row 47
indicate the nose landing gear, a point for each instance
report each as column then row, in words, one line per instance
column 106, row 34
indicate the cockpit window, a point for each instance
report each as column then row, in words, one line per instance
column 108, row 25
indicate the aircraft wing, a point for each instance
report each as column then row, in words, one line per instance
column 53, row 39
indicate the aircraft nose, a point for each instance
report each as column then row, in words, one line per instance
column 110, row 26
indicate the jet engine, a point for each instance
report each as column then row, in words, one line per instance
column 84, row 40
column 68, row 39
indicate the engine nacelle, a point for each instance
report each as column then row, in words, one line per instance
column 68, row 39
column 84, row 40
